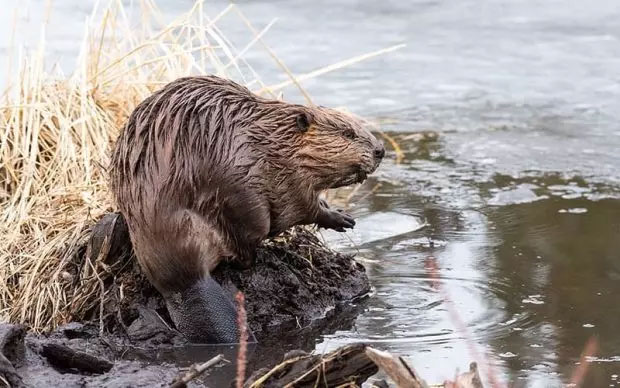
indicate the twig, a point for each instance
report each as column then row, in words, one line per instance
column 580, row 373
column 261, row 380
column 274, row 56
column 342, row 366
column 105, row 248
column 332, row 67
column 352, row 194
column 399, row 152
column 402, row 374
column 243, row 339
column 195, row 371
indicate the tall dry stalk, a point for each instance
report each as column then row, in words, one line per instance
column 242, row 326
column 55, row 138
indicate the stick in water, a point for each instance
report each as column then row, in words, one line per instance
column 243, row 339
column 195, row 371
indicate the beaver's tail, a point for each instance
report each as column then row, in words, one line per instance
column 204, row 312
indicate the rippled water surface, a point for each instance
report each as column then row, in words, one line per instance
column 497, row 236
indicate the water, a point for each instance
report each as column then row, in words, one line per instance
column 514, row 201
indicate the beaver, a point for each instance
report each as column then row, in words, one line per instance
column 204, row 170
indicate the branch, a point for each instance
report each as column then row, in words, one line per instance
column 195, row 371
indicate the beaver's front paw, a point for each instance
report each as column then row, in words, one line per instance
column 335, row 219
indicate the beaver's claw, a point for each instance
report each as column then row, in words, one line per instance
column 334, row 219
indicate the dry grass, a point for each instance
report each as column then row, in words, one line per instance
column 56, row 134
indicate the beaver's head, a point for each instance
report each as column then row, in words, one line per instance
column 336, row 149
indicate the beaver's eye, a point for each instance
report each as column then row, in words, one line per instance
column 350, row 134
column 302, row 122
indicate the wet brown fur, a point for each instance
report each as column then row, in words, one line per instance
column 204, row 169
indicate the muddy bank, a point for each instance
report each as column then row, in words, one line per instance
column 73, row 356
column 297, row 289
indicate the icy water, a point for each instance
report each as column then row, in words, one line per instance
column 497, row 236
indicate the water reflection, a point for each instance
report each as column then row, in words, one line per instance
column 530, row 263
column 571, row 261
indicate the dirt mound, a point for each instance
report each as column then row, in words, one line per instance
column 296, row 279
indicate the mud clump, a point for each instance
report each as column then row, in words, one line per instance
column 296, row 279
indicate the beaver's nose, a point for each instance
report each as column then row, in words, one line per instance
column 379, row 151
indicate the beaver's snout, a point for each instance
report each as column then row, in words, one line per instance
column 379, row 151
column 369, row 166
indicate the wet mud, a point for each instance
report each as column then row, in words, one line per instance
column 297, row 289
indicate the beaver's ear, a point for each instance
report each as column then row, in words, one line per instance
column 303, row 122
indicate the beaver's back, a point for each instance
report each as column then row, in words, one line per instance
column 176, row 177
column 176, row 135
